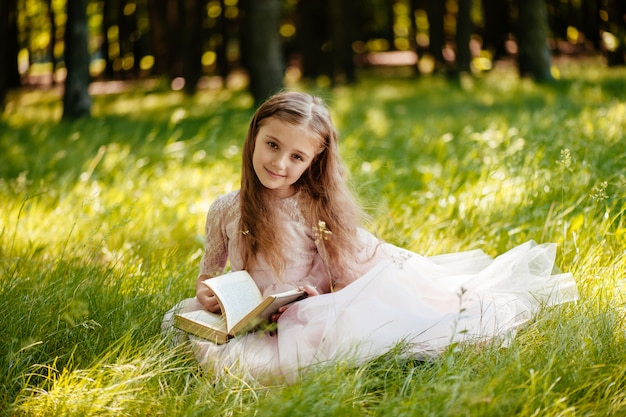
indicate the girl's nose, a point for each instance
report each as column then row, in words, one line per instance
column 279, row 161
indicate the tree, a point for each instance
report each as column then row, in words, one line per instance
column 166, row 36
column 463, row 35
column 532, row 35
column 108, row 21
column 342, row 56
column 9, row 74
column 591, row 22
column 436, row 12
column 262, row 52
column 497, row 24
column 221, row 50
column 312, row 33
column 157, row 13
column 127, row 39
column 4, row 25
column 76, row 99
column 53, row 38
column 615, row 47
column 192, row 44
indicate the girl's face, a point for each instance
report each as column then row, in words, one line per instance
column 282, row 153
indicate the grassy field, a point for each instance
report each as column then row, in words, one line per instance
column 101, row 226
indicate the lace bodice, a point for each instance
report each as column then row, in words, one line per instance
column 223, row 239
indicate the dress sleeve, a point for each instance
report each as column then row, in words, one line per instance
column 370, row 254
column 216, row 239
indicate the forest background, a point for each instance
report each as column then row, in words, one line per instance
column 195, row 43
column 101, row 217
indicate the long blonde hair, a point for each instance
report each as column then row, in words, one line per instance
column 323, row 191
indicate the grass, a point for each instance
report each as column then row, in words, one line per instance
column 101, row 226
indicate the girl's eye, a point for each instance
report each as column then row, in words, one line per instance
column 272, row 145
column 296, row 156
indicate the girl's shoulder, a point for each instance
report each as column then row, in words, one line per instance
column 225, row 202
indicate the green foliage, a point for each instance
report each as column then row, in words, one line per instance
column 101, row 228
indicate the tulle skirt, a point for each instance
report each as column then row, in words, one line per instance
column 425, row 303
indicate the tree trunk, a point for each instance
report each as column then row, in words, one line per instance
column 312, row 33
column 388, row 33
column 616, row 10
column 4, row 40
column 421, row 49
column 342, row 57
column 497, row 24
column 532, row 35
column 436, row 11
column 9, row 74
column 128, row 36
column 591, row 22
column 463, row 34
column 169, row 58
column 53, row 41
column 192, row 45
column 222, row 65
column 108, row 9
column 76, row 100
column 157, row 10
column 263, row 55
column 13, row 79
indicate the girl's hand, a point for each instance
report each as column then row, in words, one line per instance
column 310, row 292
column 209, row 301
column 206, row 297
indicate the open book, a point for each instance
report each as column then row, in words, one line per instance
column 243, row 308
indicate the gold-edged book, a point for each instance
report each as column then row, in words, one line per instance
column 243, row 308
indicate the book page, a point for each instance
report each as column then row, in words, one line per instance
column 237, row 293
column 205, row 317
column 204, row 324
column 279, row 300
column 266, row 308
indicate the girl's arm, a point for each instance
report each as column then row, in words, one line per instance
column 370, row 254
column 215, row 252
column 205, row 296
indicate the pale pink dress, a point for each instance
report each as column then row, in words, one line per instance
column 391, row 296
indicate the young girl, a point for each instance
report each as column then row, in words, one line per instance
column 294, row 224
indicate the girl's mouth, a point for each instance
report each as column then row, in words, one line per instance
column 273, row 174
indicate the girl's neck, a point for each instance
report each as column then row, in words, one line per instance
column 283, row 195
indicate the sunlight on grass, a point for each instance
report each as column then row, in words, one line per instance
column 115, row 385
column 101, row 229
column 120, row 216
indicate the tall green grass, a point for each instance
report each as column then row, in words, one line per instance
column 101, row 224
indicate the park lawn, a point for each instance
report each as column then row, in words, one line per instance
column 101, row 225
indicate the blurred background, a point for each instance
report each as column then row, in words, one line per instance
column 263, row 44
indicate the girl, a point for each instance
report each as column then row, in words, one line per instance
column 294, row 224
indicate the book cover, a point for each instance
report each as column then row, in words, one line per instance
column 243, row 308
